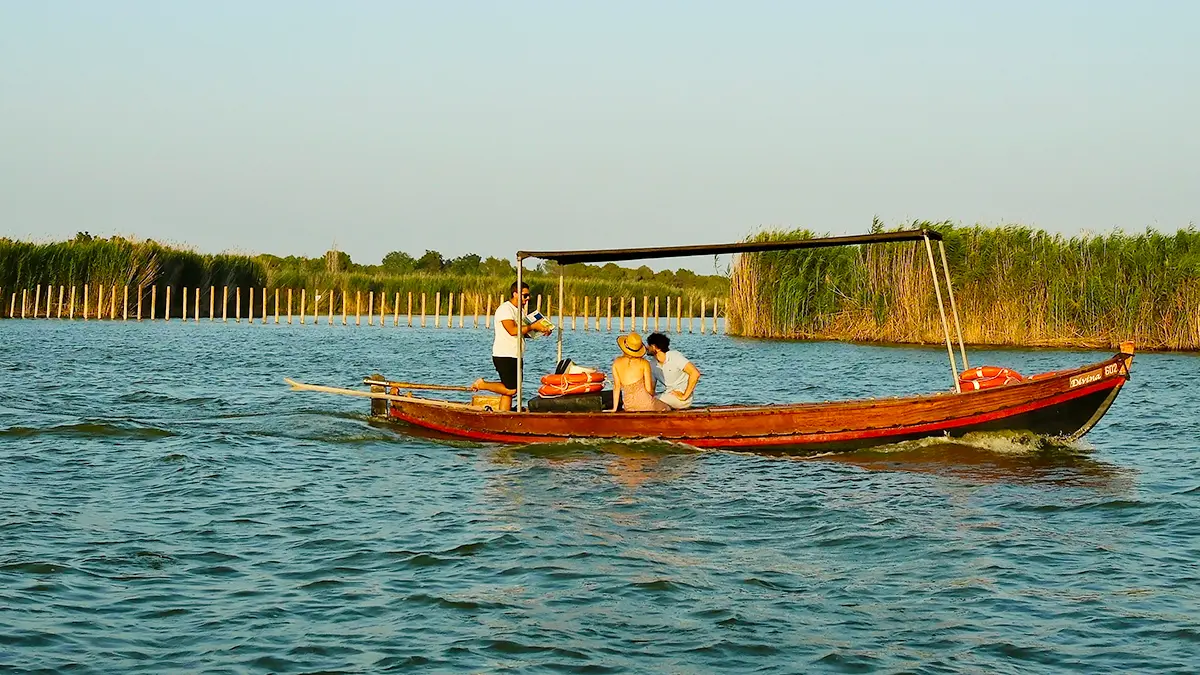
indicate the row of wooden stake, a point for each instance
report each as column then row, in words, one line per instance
column 106, row 307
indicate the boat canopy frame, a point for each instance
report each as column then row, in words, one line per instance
column 624, row 254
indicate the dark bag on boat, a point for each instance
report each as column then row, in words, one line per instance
column 594, row 402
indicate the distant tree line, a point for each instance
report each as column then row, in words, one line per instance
column 471, row 264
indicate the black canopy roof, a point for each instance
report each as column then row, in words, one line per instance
column 614, row 254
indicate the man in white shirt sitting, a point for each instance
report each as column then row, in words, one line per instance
column 677, row 375
column 508, row 323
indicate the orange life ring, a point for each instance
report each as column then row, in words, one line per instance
column 986, row 377
column 573, row 378
column 549, row 390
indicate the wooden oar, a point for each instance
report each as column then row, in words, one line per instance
column 416, row 385
column 300, row 386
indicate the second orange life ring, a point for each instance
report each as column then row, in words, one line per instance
column 549, row 390
column 986, row 377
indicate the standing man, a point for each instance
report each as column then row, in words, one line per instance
column 509, row 329
column 677, row 375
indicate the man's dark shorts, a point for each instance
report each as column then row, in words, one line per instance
column 506, row 366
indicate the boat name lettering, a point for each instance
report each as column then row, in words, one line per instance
column 1086, row 378
column 1111, row 369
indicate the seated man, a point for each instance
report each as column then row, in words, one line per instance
column 673, row 370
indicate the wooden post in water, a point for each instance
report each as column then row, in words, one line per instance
column 538, row 306
column 73, row 303
column 12, row 305
column 277, row 306
column 475, row 308
column 450, row 311
column 225, row 304
column 99, row 303
column 437, row 309
column 678, row 314
column 487, row 316
column 139, row 300
column 37, row 302
column 715, row 303
column 249, row 317
column 25, row 300
column 357, row 308
column 422, row 310
column 212, row 303
column 264, row 307
column 646, row 313
column 703, row 314
column 237, row 305
column 396, row 309
column 49, row 299
column 303, row 304
column 167, row 306
column 462, row 309
column 608, row 317
column 410, row 309
column 112, row 303
column 656, row 313
column 370, row 308
column 289, row 306
column 621, row 307
column 185, row 290
column 196, row 313
column 574, row 310
column 153, row 302
column 691, row 314
column 585, row 313
column 345, row 306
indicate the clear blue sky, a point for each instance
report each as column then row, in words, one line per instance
column 490, row 126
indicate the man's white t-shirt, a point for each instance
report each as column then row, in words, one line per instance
column 505, row 344
column 670, row 371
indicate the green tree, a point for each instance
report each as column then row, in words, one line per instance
column 398, row 262
column 464, row 264
column 431, row 262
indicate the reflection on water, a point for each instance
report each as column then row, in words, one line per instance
column 996, row 459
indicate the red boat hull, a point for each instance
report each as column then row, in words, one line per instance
column 1065, row 404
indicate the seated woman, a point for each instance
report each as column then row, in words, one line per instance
column 633, row 379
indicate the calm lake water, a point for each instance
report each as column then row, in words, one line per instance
column 166, row 504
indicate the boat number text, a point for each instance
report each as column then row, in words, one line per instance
column 1094, row 376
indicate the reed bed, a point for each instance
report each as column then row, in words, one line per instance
column 1014, row 286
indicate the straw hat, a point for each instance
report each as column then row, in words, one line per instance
column 632, row 345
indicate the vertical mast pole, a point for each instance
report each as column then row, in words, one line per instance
column 962, row 348
column 561, row 295
column 937, row 287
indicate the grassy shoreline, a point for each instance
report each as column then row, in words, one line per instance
column 1015, row 286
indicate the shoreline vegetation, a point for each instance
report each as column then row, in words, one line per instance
column 118, row 261
column 1014, row 286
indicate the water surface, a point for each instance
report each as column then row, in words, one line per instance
column 167, row 504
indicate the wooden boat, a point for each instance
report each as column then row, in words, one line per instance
column 1064, row 404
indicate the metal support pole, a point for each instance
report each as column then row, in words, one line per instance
column 937, row 287
column 561, row 296
column 962, row 348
